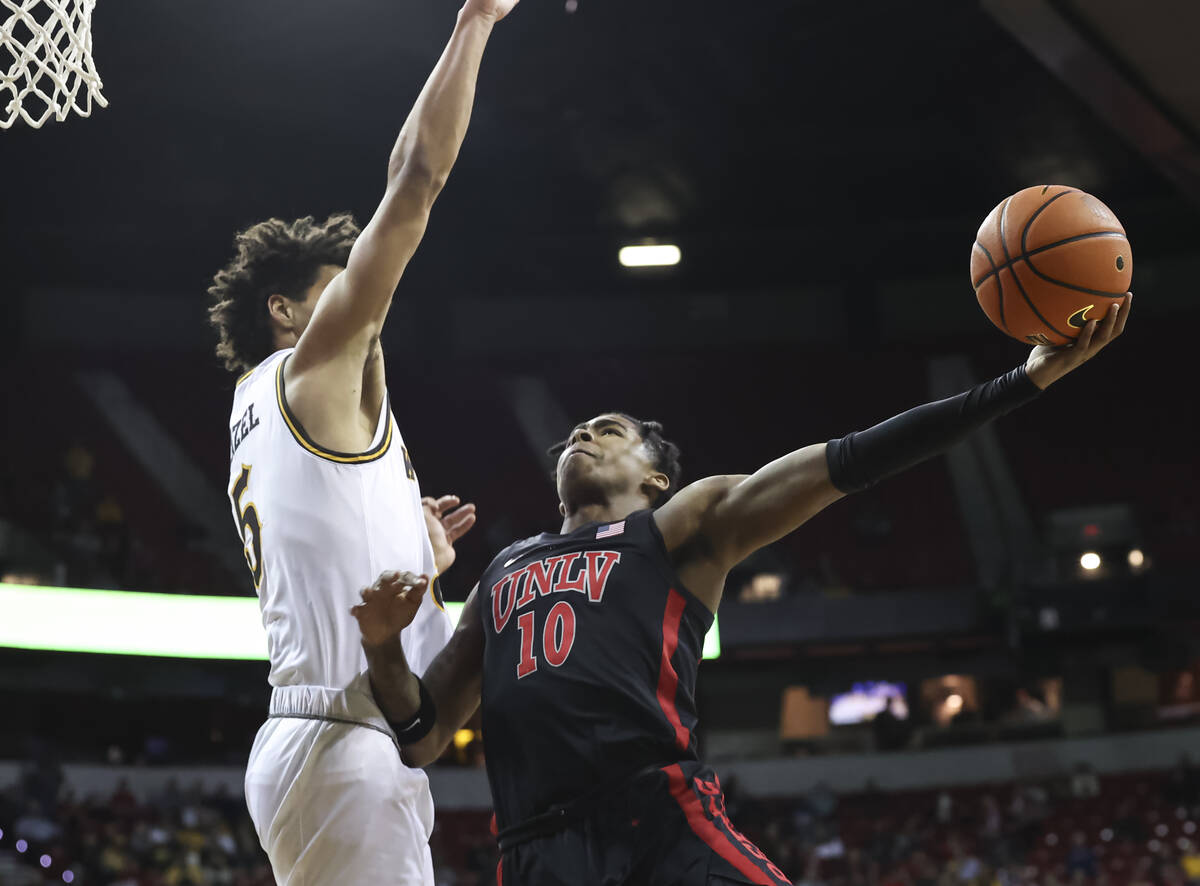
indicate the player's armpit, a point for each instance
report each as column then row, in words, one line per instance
column 454, row 681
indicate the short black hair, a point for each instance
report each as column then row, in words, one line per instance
column 664, row 454
column 273, row 256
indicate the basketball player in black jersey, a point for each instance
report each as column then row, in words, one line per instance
column 584, row 645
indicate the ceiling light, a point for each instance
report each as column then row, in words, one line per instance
column 655, row 255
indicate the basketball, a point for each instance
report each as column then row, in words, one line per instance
column 1048, row 259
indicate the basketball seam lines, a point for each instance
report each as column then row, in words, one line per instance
column 1004, row 247
column 1025, row 252
column 1003, row 243
column 999, row 285
column 1032, row 306
column 1025, row 255
column 1049, row 279
column 1029, row 221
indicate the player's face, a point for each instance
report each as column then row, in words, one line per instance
column 604, row 457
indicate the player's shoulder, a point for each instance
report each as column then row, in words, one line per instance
column 265, row 369
column 515, row 552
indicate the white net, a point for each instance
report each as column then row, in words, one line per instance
column 46, row 64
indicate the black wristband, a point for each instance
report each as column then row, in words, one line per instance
column 421, row 723
column 860, row 460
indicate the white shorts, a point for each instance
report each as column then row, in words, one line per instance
column 330, row 797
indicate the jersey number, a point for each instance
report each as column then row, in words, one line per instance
column 250, row 526
column 558, row 636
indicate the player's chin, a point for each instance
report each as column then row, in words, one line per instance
column 577, row 473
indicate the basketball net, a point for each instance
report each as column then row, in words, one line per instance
column 46, row 61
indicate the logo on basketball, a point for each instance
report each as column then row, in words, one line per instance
column 1079, row 319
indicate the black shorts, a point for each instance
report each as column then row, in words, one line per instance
column 666, row 827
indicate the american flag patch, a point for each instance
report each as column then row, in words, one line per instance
column 610, row 530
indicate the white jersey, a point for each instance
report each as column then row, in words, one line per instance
column 318, row 526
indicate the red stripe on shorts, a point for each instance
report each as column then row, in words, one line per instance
column 703, row 827
column 668, row 680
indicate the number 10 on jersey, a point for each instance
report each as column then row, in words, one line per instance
column 557, row 636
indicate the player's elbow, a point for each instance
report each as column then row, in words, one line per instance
column 413, row 178
column 420, row 754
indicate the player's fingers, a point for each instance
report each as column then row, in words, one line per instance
column 1084, row 342
column 460, row 513
column 445, row 502
column 1108, row 327
column 460, row 528
column 1125, row 306
column 412, row 596
column 392, row 582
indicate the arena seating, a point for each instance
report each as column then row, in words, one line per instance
column 1086, row 830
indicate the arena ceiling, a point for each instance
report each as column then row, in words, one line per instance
column 777, row 142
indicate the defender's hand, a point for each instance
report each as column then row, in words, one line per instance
column 447, row 523
column 1046, row 365
column 493, row 9
column 389, row 606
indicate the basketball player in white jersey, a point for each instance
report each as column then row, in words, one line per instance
column 325, row 497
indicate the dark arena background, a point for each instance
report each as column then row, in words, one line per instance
column 983, row 671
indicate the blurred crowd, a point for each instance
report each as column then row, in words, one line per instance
column 1078, row 830
column 184, row 836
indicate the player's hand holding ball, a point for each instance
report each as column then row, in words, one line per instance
column 389, row 605
column 1047, row 364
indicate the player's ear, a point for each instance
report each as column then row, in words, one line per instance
column 658, row 482
column 279, row 308
column 562, row 509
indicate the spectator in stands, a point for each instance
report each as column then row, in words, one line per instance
column 1189, row 861
column 1084, row 782
column 991, row 820
column 1081, row 858
column 944, row 808
column 35, row 826
column 965, row 866
column 821, row 800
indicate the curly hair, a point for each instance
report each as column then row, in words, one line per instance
column 272, row 257
column 664, row 454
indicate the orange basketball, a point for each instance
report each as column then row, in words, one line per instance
column 1047, row 260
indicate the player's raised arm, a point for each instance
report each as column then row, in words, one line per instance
column 351, row 311
column 734, row 516
column 425, row 713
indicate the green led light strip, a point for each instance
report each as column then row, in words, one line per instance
column 172, row 625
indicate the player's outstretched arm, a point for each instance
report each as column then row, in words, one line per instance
column 351, row 311
column 731, row 517
column 424, row 722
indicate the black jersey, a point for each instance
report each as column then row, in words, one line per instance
column 590, row 659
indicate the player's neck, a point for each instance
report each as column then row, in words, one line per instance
column 602, row 512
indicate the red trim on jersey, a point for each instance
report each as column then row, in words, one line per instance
column 668, row 680
column 500, row 872
column 703, row 827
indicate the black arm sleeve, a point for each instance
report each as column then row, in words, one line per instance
column 863, row 458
